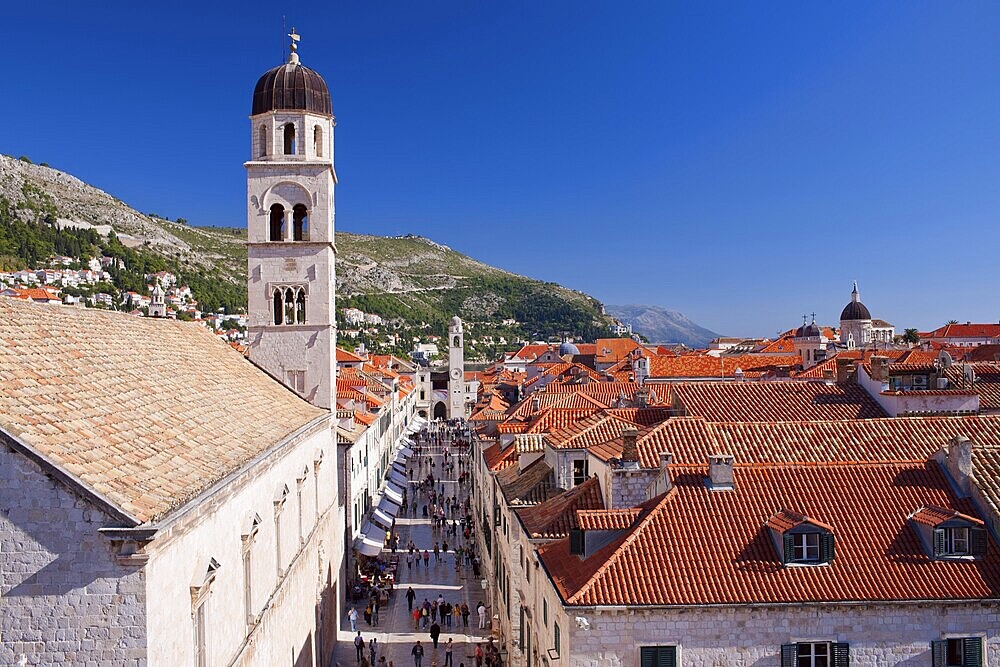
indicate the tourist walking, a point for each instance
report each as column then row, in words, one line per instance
column 352, row 616
column 435, row 633
column 372, row 651
column 447, row 654
column 465, row 615
column 359, row 644
column 418, row 654
column 410, row 596
column 482, row 615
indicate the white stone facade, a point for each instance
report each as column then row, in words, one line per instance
column 880, row 635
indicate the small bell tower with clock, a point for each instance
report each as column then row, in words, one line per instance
column 456, row 369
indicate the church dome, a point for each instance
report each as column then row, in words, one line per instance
column 292, row 87
column 568, row 348
column 855, row 310
column 807, row 330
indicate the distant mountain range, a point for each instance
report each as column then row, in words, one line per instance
column 661, row 325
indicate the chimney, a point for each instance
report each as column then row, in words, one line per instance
column 666, row 460
column 880, row 369
column 828, row 376
column 536, row 403
column 720, row 472
column 845, row 370
column 642, row 398
column 630, row 450
column 959, row 462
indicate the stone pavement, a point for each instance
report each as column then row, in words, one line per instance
column 395, row 632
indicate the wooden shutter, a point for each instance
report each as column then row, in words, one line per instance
column 939, row 653
column 666, row 656
column 647, row 656
column 789, row 653
column 841, row 654
column 972, row 652
column 977, row 542
column 576, row 541
column 938, row 542
column 789, row 548
column 826, row 551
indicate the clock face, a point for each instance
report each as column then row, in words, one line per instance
column 456, row 373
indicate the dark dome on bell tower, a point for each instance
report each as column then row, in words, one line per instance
column 291, row 87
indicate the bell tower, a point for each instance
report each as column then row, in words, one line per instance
column 456, row 369
column 290, row 239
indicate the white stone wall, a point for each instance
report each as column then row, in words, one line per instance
column 879, row 635
column 64, row 599
column 284, row 593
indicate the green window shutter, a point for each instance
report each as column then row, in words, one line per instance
column 826, row 552
column 977, row 542
column 972, row 652
column 789, row 555
column 647, row 656
column 939, row 653
column 841, row 652
column 666, row 656
column 789, row 653
column 938, row 542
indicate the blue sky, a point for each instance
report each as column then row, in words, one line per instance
column 742, row 163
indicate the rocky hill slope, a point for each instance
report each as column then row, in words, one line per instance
column 410, row 278
column 661, row 325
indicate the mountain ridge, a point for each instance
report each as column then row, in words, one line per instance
column 662, row 325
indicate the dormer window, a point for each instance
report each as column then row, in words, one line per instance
column 949, row 534
column 800, row 540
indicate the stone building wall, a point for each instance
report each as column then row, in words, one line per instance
column 64, row 598
column 879, row 635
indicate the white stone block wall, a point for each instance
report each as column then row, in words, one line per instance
column 879, row 635
column 63, row 599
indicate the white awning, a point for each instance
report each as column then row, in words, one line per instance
column 393, row 494
column 382, row 518
column 387, row 506
column 406, row 451
column 400, row 460
column 400, row 466
column 367, row 547
column 395, row 476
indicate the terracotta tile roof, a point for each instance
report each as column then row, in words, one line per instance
column 555, row 517
column 35, row 294
column 987, row 382
column 986, row 470
column 553, row 419
column 595, row 429
column 931, row 515
column 365, row 418
column 784, row 345
column 965, row 331
column 613, row 350
column 532, row 485
column 497, row 458
column 713, row 367
column 816, row 372
column 642, row 416
column 787, row 519
column 610, row 393
column 343, row 356
column 617, row 519
column 531, row 352
column 692, row 439
column 775, row 401
column 148, row 412
column 695, row 546
column 524, row 413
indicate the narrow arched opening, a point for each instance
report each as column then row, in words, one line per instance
column 289, row 306
column 300, row 223
column 262, row 151
column 277, row 226
column 300, row 307
column 290, row 139
column 318, row 141
column 278, row 306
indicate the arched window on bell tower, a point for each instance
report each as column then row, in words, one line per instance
column 289, row 306
column 263, row 141
column 300, row 223
column 289, row 138
column 277, row 227
column 318, row 141
column 278, row 306
column 300, row 307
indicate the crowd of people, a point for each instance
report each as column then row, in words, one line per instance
column 442, row 494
